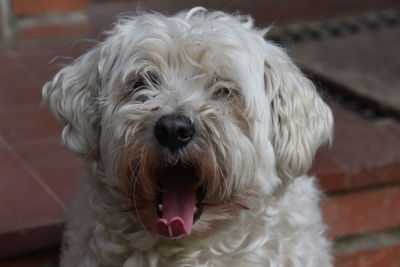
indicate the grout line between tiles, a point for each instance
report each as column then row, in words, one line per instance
column 32, row 172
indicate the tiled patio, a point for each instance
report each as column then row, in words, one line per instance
column 38, row 176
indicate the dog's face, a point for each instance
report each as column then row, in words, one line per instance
column 193, row 118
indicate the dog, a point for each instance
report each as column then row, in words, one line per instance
column 197, row 134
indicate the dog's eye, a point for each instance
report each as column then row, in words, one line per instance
column 137, row 85
column 142, row 82
column 222, row 93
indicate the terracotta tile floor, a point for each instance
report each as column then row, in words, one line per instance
column 37, row 175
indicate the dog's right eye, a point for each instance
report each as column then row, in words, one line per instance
column 137, row 85
column 134, row 87
column 145, row 81
column 142, row 82
column 223, row 92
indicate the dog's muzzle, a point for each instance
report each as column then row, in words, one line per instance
column 178, row 203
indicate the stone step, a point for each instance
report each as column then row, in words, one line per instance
column 366, row 65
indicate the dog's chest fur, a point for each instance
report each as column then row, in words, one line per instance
column 285, row 229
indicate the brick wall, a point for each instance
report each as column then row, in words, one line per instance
column 27, row 19
column 360, row 177
column 39, row 7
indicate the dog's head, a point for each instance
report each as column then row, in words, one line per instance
column 192, row 117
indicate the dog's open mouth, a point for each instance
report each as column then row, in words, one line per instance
column 179, row 201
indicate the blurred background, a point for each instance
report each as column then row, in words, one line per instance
column 350, row 48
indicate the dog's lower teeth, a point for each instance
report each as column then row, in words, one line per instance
column 160, row 207
column 195, row 210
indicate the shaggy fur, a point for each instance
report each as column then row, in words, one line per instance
column 258, row 123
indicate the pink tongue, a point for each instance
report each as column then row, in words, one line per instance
column 179, row 201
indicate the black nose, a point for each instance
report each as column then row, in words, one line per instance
column 174, row 131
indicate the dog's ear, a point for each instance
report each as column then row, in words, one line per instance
column 300, row 120
column 72, row 98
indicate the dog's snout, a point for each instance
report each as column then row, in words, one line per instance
column 174, row 131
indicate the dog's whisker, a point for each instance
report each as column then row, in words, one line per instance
column 137, row 209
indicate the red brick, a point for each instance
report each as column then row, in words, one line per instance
column 332, row 175
column 362, row 212
column 363, row 154
column 24, row 7
column 54, row 31
column 383, row 257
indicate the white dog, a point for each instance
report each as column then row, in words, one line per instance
column 196, row 133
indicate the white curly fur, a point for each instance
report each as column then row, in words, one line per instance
column 254, row 145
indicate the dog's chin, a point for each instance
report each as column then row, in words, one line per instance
column 178, row 200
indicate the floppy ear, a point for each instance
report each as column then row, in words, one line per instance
column 301, row 121
column 72, row 98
